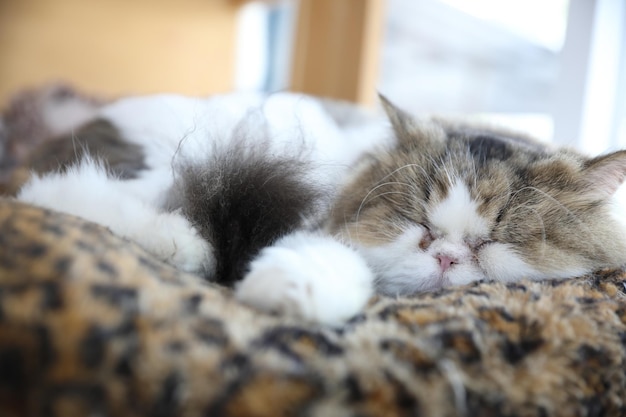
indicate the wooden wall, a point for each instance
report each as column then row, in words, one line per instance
column 118, row 46
column 337, row 48
column 115, row 47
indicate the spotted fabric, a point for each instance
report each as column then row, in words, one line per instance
column 91, row 325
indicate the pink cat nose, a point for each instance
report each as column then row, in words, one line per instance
column 445, row 262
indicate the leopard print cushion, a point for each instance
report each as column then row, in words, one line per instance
column 91, row 325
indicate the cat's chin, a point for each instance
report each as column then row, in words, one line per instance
column 401, row 269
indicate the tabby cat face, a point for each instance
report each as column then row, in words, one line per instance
column 448, row 206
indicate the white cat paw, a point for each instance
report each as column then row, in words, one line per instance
column 308, row 276
column 87, row 191
column 174, row 240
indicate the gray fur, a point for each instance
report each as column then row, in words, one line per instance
column 99, row 139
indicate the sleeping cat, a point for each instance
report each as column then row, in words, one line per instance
column 307, row 214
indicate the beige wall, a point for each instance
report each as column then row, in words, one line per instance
column 118, row 46
column 337, row 49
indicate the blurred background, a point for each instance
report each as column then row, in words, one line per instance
column 553, row 68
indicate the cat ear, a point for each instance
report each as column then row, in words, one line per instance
column 408, row 130
column 401, row 121
column 606, row 173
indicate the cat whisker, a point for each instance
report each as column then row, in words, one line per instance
column 400, row 169
column 573, row 215
column 450, row 177
column 365, row 199
column 442, row 164
column 474, row 169
column 531, row 209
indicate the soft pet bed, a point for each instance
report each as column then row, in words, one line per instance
column 92, row 325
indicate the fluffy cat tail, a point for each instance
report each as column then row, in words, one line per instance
column 243, row 198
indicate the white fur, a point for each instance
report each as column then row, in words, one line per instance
column 86, row 191
column 618, row 207
column 401, row 267
column 310, row 276
column 501, row 262
column 456, row 216
column 307, row 275
column 175, row 128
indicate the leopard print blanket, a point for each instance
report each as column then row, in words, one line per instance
column 91, row 325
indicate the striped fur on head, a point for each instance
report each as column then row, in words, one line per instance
column 449, row 205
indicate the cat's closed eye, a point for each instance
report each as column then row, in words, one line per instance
column 427, row 238
column 479, row 243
